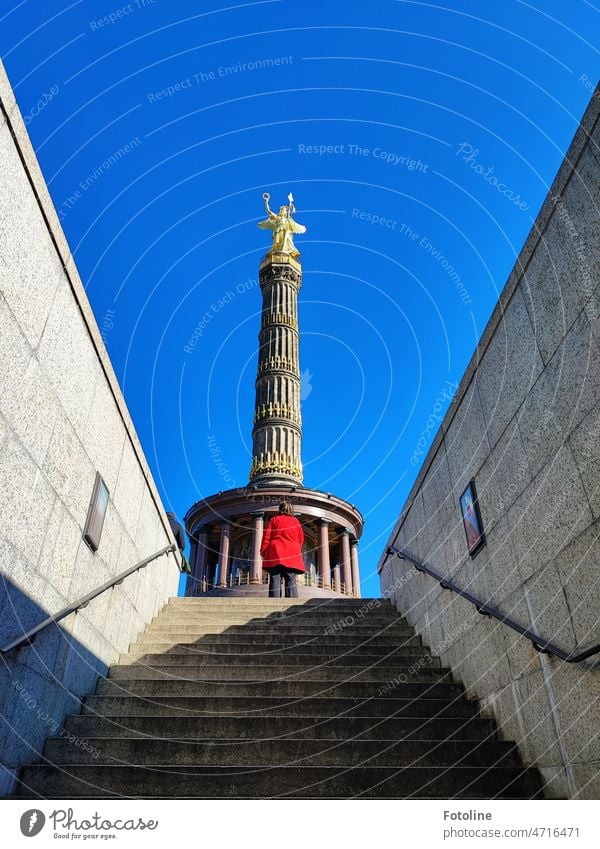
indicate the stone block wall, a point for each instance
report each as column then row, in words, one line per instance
column 62, row 418
column 525, row 425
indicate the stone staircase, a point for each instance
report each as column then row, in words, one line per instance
column 278, row 698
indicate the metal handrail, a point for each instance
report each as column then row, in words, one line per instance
column 84, row 600
column 540, row 645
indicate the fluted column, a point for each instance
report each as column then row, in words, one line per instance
column 346, row 562
column 355, row 572
column 258, row 519
column 324, row 564
column 224, row 553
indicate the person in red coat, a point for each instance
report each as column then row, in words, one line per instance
column 281, row 551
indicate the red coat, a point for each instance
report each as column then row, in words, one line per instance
column 282, row 543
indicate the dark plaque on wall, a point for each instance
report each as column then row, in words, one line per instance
column 96, row 513
column 473, row 525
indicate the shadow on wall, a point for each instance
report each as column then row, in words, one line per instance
column 40, row 683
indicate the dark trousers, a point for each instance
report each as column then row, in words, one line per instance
column 289, row 578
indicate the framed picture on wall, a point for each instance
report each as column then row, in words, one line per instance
column 472, row 518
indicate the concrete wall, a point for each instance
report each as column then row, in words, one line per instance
column 62, row 417
column 525, row 424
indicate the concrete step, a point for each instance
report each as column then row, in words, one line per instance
column 300, row 782
column 284, row 705
column 312, row 651
column 271, row 672
column 305, row 688
column 294, row 614
column 280, row 640
column 323, row 625
column 277, row 603
column 423, row 665
column 249, row 697
column 261, row 626
column 265, row 752
column 302, row 726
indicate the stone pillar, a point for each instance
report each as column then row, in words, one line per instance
column 257, row 535
column 337, row 581
column 224, row 553
column 199, row 567
column 355, row 572
column 345, row 558
column 323, row 554
column 211, row 570
column 190, row 582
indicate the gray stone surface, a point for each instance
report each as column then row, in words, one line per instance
column 63, row 442
column 503, row 476
column 584, row 442
column 523, row 658
column 493, row 573
column 557, row 783
column 587, row 781
column 30, row 271
column 560, row 277
column 62, row 418
column 105, row 435
column 539, row 423
column 68, row 359
column 526, row 425
column 576, row 365
column 549, row 611
column 27, row 499
column 127, row 496
column 550, row 513
column 417, row 530
column 578, row 569
column 438, row 498
column 540, row 743
column 565, row 393
column 508, row 369
column 467, row 444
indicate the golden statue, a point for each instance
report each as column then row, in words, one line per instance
column 283, row 226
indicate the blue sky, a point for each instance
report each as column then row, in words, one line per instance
column 419, row 140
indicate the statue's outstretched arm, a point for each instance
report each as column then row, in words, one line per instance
column 267, row 198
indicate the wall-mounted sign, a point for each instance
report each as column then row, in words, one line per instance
column 94, row 522
column 469, row 506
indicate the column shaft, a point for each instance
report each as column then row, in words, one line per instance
column 323, row 555
column 199, row 567
column 224, row 553
column 190, row 583
column 346, row 563
column 355, row 571
column 257, row 534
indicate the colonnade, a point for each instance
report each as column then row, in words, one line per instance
column 339, row 572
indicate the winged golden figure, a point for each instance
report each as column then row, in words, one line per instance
column 283, row 227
